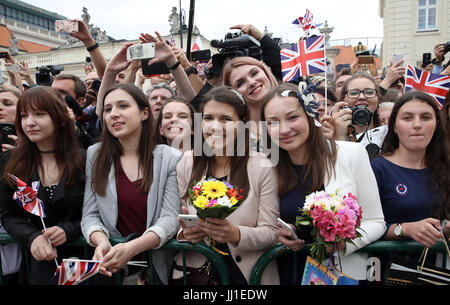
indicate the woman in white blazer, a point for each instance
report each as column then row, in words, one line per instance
column 309, row 163
column 131, row 186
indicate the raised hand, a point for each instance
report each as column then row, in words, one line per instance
column 163, row 51
column 119, row 62
column 249, row 29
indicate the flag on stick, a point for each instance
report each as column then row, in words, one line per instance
column 436, row 85
column 74, row 271
column 306, row 23
column 303, row 58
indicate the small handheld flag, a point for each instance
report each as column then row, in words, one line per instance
column 306, row 23
column 436, row 85
column 73, row 271
column 27, row 196
column 303, row 58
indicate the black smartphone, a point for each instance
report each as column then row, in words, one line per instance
column 3, row 54
column 426, row 59
column 8, row 129
column 155, row 69
column 201, row 55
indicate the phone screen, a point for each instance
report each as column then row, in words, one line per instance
column 7, row 129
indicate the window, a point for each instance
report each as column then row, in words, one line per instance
column 427, row 15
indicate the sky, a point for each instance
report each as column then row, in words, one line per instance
column 126, row 19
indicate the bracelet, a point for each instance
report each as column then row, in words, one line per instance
column 191, row 70
column 92, row 48
column 175, row 65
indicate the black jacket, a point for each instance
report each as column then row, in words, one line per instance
column 64, row 210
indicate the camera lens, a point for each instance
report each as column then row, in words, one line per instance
column 361, row 116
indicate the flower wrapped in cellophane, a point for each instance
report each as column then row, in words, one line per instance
column 334, row 218
column 213, row 198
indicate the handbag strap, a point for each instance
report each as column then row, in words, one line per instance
column 424, row 254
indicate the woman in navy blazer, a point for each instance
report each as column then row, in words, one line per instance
column 140, row 194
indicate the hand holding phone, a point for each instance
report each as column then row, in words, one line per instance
column 397, row 58
column 286, row 226
column 7, row 129
column 141, row 51
column 189, row 220
column 66, row 26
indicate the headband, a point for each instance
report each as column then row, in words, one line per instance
column 306, row 95
column 239, row 95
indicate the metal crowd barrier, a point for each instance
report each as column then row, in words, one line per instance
column 379, row 247
column 214, row 257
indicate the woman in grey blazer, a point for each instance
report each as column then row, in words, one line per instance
column 131, row 186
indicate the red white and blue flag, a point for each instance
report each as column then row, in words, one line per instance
column 73, row 272
column 436, row 85
column 27, row 197
column 303, row 58
column 306, row 22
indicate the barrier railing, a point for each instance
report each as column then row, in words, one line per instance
column 184, row 247
column 379, row 247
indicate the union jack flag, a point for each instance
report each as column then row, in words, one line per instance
column 436, row 85
column 303, row 58
column 27, row 197
column 73, row 272
column 306, row 22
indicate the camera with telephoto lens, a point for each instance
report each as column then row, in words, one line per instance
column 360, row 115
column 45, row 74
column 446, row 47
column 234, row 45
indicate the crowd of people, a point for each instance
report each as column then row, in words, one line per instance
column 115, row 161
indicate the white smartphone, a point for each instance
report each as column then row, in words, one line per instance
column 141, row 51
column 66, row 26
column 284, row 225
column 189, row 220
column 12, row 68
column 397, row 57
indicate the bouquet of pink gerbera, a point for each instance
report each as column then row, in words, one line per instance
column 334, row 218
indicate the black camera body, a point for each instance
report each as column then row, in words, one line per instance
column 45, row 74
column 360, row 115
column 234, row 45
column 447, row 47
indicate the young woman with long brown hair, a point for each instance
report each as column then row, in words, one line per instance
column 251, row 229
column 309, row 163
column 47, row 151
column 131, row 185
column 413, row 171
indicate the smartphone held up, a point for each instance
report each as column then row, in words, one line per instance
column 141, row 51
column 66, row 26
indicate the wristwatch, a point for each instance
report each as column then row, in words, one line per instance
column 398, row 230
column 191, row 70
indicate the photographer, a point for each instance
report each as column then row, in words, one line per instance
column 270, row 49
column 438, row 61
column 264, row 49
column 72, row 90
column 356, row 116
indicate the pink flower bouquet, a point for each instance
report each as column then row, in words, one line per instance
column 334, row 218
